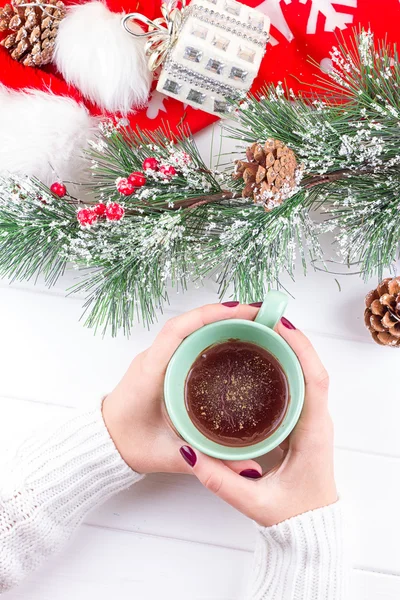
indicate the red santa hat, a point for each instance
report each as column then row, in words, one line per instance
column 50, row 113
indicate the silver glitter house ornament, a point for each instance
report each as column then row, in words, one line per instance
column 216, row 54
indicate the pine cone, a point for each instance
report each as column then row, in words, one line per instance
column 269, row 173
column 382, row 315
column 31, row 30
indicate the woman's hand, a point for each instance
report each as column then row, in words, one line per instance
column 133, row 411
column 304, row 478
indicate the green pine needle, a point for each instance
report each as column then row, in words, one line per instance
column 197, row 225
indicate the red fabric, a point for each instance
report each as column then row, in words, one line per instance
column 300, row 29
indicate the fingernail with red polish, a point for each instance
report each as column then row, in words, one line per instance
column 189, row 455
column 287, row 323
column 230, row 304
column 250, row 473
column 256, row 304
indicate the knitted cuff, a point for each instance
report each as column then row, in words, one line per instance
column 54, row 480
column 301, row 558
column 70, row 469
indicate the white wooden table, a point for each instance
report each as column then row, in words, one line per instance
column 168, row 537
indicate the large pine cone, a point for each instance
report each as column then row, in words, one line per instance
column 269, row 173
column 32, row 30
column 382, row 315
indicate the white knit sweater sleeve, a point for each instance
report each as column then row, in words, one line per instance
column 54, row 480
column 59, row 475
column 301, row 558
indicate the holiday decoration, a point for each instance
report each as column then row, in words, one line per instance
column 58, row 189
column 114, row 211
column 124, row 186
column 339, row 152
column 269, row 173
column 298, row 30
column 32, row 28
column 167, row 171
column 86, row 217
column 89, row 216
column 114, row 76
column 44, row 135
column 137, row 179
column 382, row 313
column 38, row 143
column 150, row 163
column 209, row 52
column 100, row 209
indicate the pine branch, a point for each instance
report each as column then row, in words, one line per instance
column 366, row 208
column 367, row 213
column 254, row 247
column 192, row 203
column 212, row 224
column 348, row 143
column 35, row 231
column 134, row 266
column 197, row 225
column 123, row 151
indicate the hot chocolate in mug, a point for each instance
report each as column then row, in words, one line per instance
column 259, row 332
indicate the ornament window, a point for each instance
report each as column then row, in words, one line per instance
column 196, row 96
column 193, row 54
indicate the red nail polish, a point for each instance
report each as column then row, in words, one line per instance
column 287, row 323
column 256, row 304
column 230, row 304
column 250, row 473
column 189, row 455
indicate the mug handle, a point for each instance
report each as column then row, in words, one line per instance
column 272, row 308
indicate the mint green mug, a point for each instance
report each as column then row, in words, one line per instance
column 258, row 332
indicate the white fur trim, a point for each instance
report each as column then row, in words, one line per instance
column 43, row 135
column 96, row 55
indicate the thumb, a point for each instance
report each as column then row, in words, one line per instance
column 246, row 468
column 217, row 477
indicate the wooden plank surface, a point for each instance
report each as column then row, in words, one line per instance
column 106, row 564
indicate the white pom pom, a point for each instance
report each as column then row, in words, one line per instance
column 96, row 55
column 43, row 135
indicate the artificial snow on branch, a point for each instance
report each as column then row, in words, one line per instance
column 160, row 216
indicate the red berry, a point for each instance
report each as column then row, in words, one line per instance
column 186, row 158
column 150, row 163
column 137, row 179
column 114, row 211
column 100, row 209
column 124, row 186
column 86, row 216
column 167, row 171
column 58, row 189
